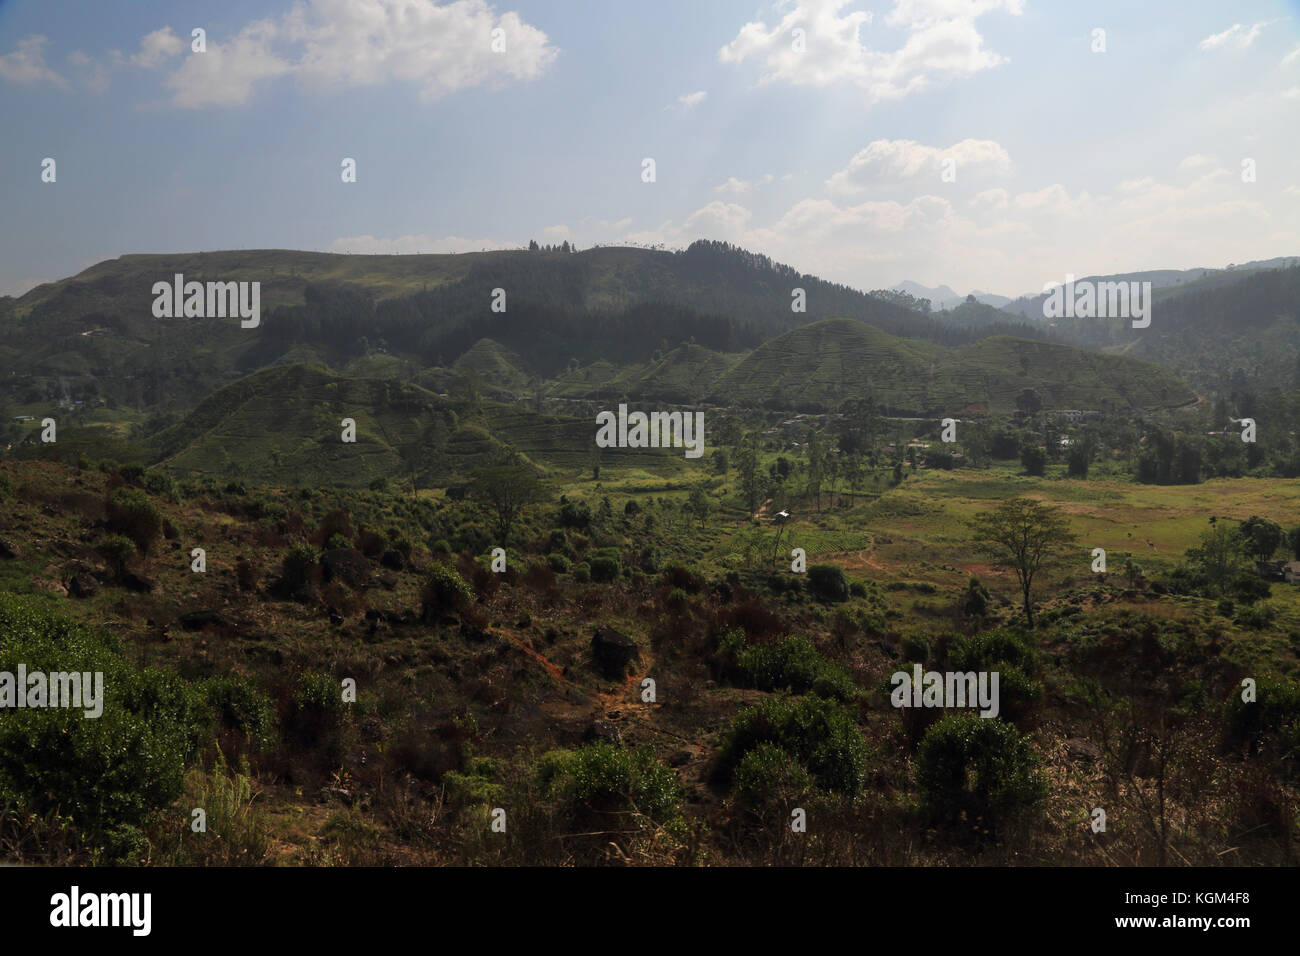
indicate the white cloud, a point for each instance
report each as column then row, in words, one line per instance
column 438, row 48
column 1292, row 93
column 942, row 44
column 1236, row 37
column 226, row 73
column 26, row 64
column 738, row 187
column 1197, row 161
column 1292, row 56
column 896, row 161
column 692, row 100
column 156, row 47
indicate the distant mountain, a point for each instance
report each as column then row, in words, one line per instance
column 943, row 297
column 1164, row 282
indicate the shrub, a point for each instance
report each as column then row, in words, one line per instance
column 916, row 648
column 820, row 734
column 337, row 541
column 1256, row 618
column 239, row 706
column 117, row 551
column 795, row 665
column 604, row 569
column 975, row 602
column 297, row 567
column 978, row 767
column 245, row 574
column 335, row 522
column 1272, row 719
column 558, row 563
column 130, row 512
column 582, row 572
column 439, row 546
column 1014, row 658
column 160, row 483
column 106, row 775
column 826, row 582
column 316, row 708
column 445, row 591
column 605, row 779
column 768, row 776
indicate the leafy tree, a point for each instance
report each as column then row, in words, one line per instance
column 698, row 505
column 1025, row 534
column 747, row 460
column 1034, row 460
column 505, row 489
column 1261, row 536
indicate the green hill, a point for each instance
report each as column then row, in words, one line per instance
column 820, row 365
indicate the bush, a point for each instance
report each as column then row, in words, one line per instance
column 297, row 567
column 558, row 563
column 1014, row 658
column 117, row 551
column 916, row 649
column 238, row 705
column 445, row 591
column 977, row 767
column 337, row 541
column 768, row 776
column 820, row 734
column 161, row 484
column 604, row 569
column 316, row 708
column 245, row 574
column 130, row 512
column 105, row 775
column 439, row 546
column 605, row 779
column 1256, row 618
column 582, row 572
column 1271, row 720
column 826, row 582
column 795, row 665
column 1034, row 460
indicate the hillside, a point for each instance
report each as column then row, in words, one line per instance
column 820, row 365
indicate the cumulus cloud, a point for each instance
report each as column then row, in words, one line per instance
column 895, row 161
column 437, row 48
column 156, row 48
column 689, row 101
column 26, row 64
column 942, row 44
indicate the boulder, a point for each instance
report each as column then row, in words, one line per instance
column 613, row 652
column 602, row 732
column 83, row 585
column 9, row 549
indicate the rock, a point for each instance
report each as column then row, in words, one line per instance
column 388, row 580
column 54, row 587
column 197, row 620
column 9, row 549
column 1081, row 750
column 613, row 651
column 135, row 582
column 347, row 565
column 602, row 731
column 393, row 560
column 83, row 585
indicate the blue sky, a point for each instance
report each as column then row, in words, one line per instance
column 831, row 158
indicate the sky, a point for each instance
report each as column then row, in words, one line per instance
column 996, row 145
